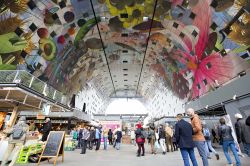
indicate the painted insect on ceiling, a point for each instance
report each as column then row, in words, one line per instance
column 189, row 46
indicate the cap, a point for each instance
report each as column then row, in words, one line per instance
column 238, row 116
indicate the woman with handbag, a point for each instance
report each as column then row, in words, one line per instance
column 140, row 140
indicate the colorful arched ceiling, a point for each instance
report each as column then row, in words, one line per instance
column 125, row 47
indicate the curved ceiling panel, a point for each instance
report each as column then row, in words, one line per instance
column 127, row 47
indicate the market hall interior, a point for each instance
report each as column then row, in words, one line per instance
column 76, row 75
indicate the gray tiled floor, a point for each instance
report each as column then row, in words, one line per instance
column 127, row 157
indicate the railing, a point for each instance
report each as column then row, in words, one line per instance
column 24, row 78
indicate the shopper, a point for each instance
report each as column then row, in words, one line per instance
column 110, row 137
column 183, row 135
column 162, row 139
column 132, row 137
column 98, row 138
column 80, row 131
column 105, row 138
column 225, row 133
column 140, row 140
column 118, row 139
column 17, row 139
column 85, row 137
column 152, row 138
column 207, row 136
column 46, row 129
column 175, row 145
column 91, row 138
column 215, row 138
column 243, row 133
column 169, row 136
column 198, row 137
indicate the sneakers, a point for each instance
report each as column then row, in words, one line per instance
column 217, row 156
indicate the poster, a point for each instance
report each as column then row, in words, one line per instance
column 111, row 125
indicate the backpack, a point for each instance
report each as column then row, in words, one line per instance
column 75, row 135
column 206, row 133
column 17, row 132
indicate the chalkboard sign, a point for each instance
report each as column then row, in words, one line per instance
column 53, row 143
column 54, row 146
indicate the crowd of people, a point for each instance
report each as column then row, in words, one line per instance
column 184, row 135
column 194, row 134
column 90, row 137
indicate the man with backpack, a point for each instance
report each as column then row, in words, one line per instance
column 207, row 136
column 16, row 140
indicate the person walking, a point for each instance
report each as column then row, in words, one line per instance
column 140, row 140
column 132, row 137
column 85, row 137
column 46, row 129
column 152, row 138
column 80, row 131
column 162, row 139
column 184, row 138
column 17, row 139
column 215, row 138
column 110, row 137
column 243, row 133
column 169, row 135
column 198, row 138
column 207, row 136
column 175, row 145
column 91, row 138
column 105, row 138
column 118, row 139
column 97, row 138
column 225, row 133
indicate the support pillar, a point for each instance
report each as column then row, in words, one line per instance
column 13, row 116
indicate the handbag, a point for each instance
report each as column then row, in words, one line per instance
column 139, row 140
column 157, row 146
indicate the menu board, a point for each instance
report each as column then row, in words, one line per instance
column 54, row 146
column 54, row 143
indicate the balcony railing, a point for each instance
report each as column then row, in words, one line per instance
column 22, row 77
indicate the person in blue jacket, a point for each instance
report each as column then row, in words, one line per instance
column 184, row 138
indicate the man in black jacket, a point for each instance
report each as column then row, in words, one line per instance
column 184, row 138
column 46, row 129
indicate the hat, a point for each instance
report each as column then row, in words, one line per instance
column 139, row 125
column 238, row 116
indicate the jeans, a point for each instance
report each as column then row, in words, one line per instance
column 98, row 143
column 186, row 153
column 118, row 145
column 105, row 143
column 209, row 147
column 247, row 148
column 84, row 146
column 201, row 146
column 163, row 144
column 230, row 144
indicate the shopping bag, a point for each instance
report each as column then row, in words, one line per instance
column 157, row 146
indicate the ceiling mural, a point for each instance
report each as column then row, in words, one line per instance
column 126, row 47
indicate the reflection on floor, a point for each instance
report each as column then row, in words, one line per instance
column 127, row 157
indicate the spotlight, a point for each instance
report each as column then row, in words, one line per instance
column 17, row 81
column 145, row 19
